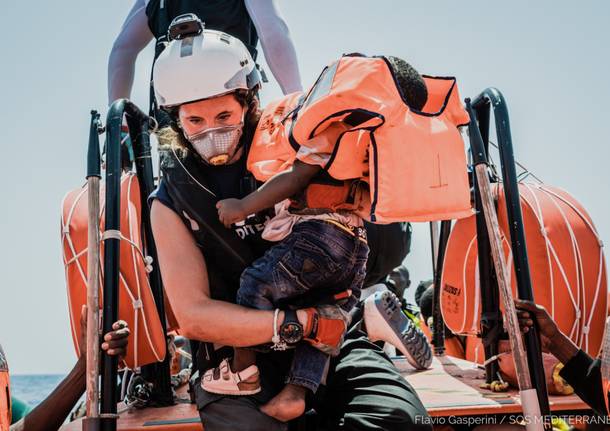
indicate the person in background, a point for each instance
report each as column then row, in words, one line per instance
column 248, row 20
column 399, row 280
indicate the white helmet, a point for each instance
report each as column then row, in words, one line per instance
column 210, row 64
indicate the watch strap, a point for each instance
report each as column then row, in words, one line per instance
column 290, row 316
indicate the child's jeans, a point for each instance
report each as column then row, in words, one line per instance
column 318, row 259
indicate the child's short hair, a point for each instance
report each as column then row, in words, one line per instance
column 410, row 83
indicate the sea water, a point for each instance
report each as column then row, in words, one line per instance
column 33, row 388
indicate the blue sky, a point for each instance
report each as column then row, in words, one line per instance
column 549, row 58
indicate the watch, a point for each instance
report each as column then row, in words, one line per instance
column 291, row 330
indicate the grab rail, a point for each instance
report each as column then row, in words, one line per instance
column 492, row 98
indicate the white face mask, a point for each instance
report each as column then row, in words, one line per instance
column 218, row 145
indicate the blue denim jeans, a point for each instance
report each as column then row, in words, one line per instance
column 317, row 260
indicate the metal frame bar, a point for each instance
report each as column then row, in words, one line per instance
column 91, row 421
column 491, row 317
column 137, row 122
column 158, row 373
column 438, row 327
column 491, row 98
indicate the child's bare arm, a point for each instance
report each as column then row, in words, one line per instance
column 284, row 184
column 278, row 188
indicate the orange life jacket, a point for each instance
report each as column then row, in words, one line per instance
column 136, row 302
column 413, row 162
column 5, row 394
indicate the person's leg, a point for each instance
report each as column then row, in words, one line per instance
column 289, row 404
column 243, row 358
column 287, row 270
column 364, row 391
column 308, row 369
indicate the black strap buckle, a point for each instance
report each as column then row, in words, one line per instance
column 185, row 25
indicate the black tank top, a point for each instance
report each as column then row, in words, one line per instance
column 229, row 16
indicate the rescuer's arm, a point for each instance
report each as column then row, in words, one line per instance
column 581, row 371
column 53, row 410
column 186, row 283
column 277, row 44
column 132, row 38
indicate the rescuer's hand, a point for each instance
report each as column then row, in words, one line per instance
column 230, row 211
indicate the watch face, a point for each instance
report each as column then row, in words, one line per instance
column 292, row 332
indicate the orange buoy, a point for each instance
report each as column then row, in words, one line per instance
column 566, row 262
column 136, row 302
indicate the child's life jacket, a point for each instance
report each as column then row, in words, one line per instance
column 410, row 164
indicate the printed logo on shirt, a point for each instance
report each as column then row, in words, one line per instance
column 253, row 225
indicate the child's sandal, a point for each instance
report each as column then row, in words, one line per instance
column 222, row 380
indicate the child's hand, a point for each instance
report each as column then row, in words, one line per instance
column 230, row 211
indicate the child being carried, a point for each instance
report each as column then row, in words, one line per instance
column 321, row 254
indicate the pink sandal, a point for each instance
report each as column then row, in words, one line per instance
column 222, row 380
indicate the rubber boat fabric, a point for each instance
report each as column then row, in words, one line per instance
column 413, row 163
column 5, row 393
column 567, row 267
column 136, row 302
